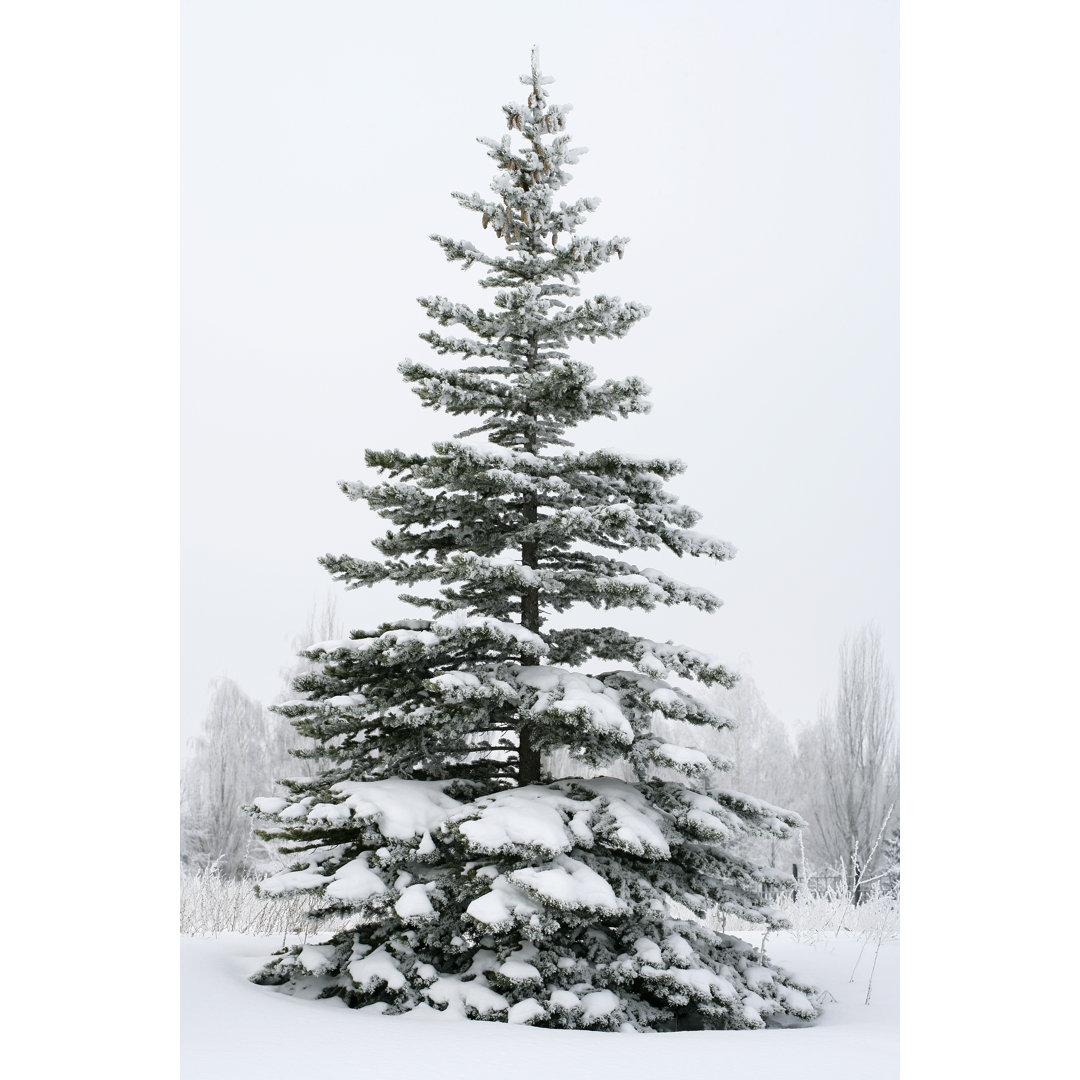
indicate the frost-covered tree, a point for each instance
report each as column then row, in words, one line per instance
column 851, row 756
column 241, row 751
column 323, row 623
column 231, row 762
column 762, row 753
column 468, row 878
column 890, row 879
column 764, row 761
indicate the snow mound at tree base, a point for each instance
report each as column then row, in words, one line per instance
column 232, row 1029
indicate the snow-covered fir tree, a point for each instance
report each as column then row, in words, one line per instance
column 468, row 880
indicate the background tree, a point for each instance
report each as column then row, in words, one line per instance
column 765, row 762
column 233, row 760
column 758, row 743
column 469, row 877
column 851, row 754
column 890, row 880
column 243, row 750
column 299, row 754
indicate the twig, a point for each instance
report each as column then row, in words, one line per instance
column 869, row 860
column 857, row 959
column 877, row 842
column 880, row 937
column 870, row 983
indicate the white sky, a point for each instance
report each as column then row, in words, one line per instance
column 749, row 151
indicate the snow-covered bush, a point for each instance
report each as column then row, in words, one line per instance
column 215, row 903
column 814, row 915
column 468, row 878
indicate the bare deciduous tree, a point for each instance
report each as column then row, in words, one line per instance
column 764, row 759
column 242, row 752
column 764, row 762
column 323, row 624
column 850, row 756
column 232, row 762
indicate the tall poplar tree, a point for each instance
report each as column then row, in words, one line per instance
column 468, row 879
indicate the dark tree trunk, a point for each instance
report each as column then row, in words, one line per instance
column 528, row 755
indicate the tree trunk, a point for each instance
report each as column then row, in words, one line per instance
column 528, row 755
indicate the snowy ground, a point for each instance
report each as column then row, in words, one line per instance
column 232, row 1029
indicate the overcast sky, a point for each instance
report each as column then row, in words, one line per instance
column 749, row 151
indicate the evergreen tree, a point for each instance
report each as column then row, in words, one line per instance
column 468, row 879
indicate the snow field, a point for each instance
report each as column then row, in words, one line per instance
column 232, row 1029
